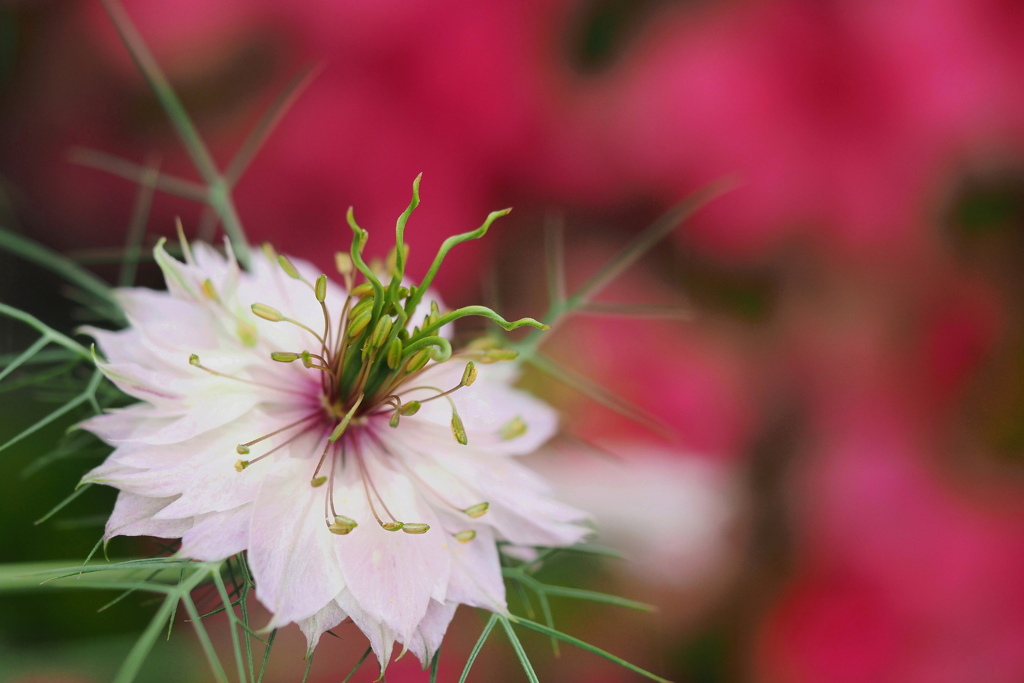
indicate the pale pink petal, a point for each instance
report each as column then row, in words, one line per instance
column 430, row 631
column 320, row 623
column 133, row 516
column 217, row 535
column 476, row 578
column 290, row 549
column 382, row 638
column 392, row 574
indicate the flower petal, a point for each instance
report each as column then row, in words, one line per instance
column 133, row 516
column 392, row 574
column 217, row 535
column 290, row 549
column 427, row 638
column 320, row 623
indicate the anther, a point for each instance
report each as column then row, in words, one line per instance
column 512, row 429
column 395, row 354
column 392, row 526
column 242, row 449
column 285, row 356
column 194, row 360
column 241, row 465
column 465, row 536
column 320, row 289
column 343, row 262
column 340, row 429
column 478, row 510
column 417, row 360
column 341, row 525
column 415, row 528
column 208, row 290
column 468, row 375
column 268, row 313
column 458, row 429
column 316, row 482
column 288, row 267
column 411, row 408
column 359, row 323
column 496, row 355
column 362, row 290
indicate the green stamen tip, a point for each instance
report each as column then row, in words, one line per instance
column 478, row 510
column 284, row 356
column 393, row 422
column 194, row 360
column 512, row 429
column 410, row 408
column 341, row 525
column 392, row 526
column 469, row 374
column 416, row 528
column 288, row 267
column 321, row 288
column 241, row 465
column 242, row 449
column 465, row 536
column 317, row 481
column 459, row 430
column 395, row 354
column 268, row 313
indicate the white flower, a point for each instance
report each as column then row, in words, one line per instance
column 297, row 459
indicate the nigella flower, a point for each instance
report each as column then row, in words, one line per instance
column 330, row 432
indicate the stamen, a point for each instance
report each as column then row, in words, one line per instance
column 340, row 429
column 243, row 448
column 512, row 429
column 243, row 464
column 394, row 524
column 465, row 536
column 478, row 510
column 194, row 361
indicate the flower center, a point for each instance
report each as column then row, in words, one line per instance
column 367, row 359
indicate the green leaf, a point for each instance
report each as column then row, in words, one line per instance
column 524, row 660
column 476, row 648
column 61, row 265
column 540, row 628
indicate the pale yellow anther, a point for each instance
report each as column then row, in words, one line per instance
column 512, row 429
column 459, row 430
column 395, row 354
column 392, row 526
column 496, row 355
column 468, row 375
column 465, row 536
column 358, row 324
column 417, row 360
column 208, row 290
column 194, row 360
column 241, row 465
column 320, row 289
column 343, row 262
column 415, row 528
column 478, row 510
column 359, row 291
column 247, row 333
column 242, row 449
column 288, row 267
column 483, row 344
column 341, row 525
column 267, row 313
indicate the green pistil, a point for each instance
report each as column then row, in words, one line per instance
column 374, row 351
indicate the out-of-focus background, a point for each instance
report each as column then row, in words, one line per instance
column 839, row 496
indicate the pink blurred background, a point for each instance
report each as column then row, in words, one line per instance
column 845, row 407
